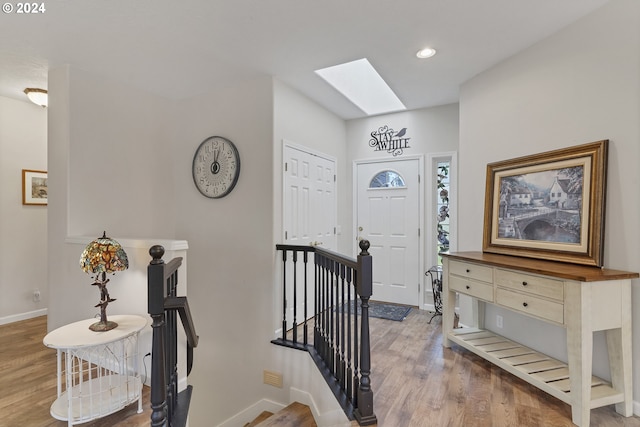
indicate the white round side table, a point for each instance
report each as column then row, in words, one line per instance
column 100, row 369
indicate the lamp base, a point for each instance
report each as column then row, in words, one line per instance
column 103, row 326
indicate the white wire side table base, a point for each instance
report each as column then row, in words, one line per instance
column 100, row 372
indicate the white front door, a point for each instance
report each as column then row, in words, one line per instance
column 388, row 215
column 309, row 218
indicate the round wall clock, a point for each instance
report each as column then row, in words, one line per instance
column 216, row 167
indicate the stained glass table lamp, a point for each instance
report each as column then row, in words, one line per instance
column 103, row 255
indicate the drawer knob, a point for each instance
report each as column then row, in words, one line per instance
column 468, row 287
column 468, row 271
column 524, row 283
column 524, row 304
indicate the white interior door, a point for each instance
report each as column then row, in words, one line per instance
column 310, row 207
column 388, row 215
column 310, row 212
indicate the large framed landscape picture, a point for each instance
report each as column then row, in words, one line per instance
column 549, row 205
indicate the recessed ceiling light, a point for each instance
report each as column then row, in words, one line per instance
column 361, row 84
column 427, row 52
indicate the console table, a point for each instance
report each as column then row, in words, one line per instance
column 100, row 369
column 582, row 299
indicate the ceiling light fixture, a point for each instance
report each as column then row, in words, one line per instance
column 37, row 96
column 427, row 52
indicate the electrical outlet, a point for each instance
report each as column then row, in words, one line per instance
column 499, row 322
column 36, row 295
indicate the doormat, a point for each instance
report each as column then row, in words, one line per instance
column 382, row 310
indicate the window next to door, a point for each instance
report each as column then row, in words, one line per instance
column 442, row 190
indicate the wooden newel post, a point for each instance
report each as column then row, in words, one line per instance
column 155, row 292
column 364, row 411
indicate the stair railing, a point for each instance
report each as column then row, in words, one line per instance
column 169, row 408
column 339, row 343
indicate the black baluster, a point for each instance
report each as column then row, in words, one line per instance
column 316, row 322
column 349, row 372
column 295, row 297
column 327, row 308
column 284, row 295
column 342, row 370
column 306, row 300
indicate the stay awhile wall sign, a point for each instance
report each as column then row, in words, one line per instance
column 387, row 139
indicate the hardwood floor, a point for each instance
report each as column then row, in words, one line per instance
column 415, row 380
column 28, row 372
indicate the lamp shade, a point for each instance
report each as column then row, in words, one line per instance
column 103, row 255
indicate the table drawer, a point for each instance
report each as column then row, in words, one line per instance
column 529, row 304
column 476, row 289
column 536, row 285
column 471, row 271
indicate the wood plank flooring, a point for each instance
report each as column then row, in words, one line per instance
column 415, row 380
column 28, row 375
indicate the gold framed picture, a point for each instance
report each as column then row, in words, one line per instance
column 34, row 187
column 549, row 205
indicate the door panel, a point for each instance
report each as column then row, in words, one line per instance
column 310, row 210
column 390, row 218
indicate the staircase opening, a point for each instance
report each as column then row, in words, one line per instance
column 333, row 326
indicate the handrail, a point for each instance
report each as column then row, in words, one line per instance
column 339, row 343
column 334, row 256
column 181, row 305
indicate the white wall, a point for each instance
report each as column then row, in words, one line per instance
column 579, row 85
column 432, row 130
column 299, row 120
column 231, row 248
column 23, row 229
column 120, row 159
column 107, row 160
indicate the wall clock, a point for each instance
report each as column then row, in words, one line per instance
column 216, row 167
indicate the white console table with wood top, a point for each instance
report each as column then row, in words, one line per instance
column 100, row 369
column 580, row 298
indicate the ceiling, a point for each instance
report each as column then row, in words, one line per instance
column 181, row 49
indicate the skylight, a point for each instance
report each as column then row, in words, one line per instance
column 361, row 84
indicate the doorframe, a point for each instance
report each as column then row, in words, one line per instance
column 421, row 205
column 287, row 143
column 431, row 206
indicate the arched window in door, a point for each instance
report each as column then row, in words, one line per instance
column 387, row 179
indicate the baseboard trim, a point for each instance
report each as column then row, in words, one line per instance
column 22, row 316
column 636, row 408
column 250, row 413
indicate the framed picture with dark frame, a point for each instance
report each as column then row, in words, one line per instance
column 34, row 187
column 549, row 205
